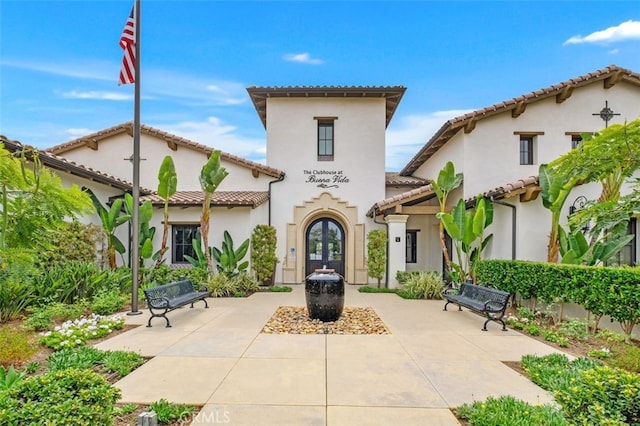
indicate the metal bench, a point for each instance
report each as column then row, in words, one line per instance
column 488, row 301
column 171, row 296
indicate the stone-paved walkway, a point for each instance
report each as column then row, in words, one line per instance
column 432, row 361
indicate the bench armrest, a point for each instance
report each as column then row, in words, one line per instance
column 451, row 290
column 163, row 302
column 493, row 306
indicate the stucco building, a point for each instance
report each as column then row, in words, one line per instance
column 324, row 185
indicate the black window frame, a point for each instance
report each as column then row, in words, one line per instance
column 526, row 150
column 575, row 141
column 325, row 154
column 630, row 247
column 179, row 247
column 411, row 248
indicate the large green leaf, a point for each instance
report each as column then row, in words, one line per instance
column 146, row 212
column 212, row 173
column 242, row 250
column 167, row 178
column 117, row 244
column 146, row 251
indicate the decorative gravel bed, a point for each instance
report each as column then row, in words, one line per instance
column 295, row 320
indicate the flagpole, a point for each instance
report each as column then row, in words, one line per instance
column 135, row 217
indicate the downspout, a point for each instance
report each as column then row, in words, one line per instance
column 386, row 273
column 280, row 179
column 513, row 225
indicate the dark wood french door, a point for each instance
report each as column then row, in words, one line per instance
column 324, row 246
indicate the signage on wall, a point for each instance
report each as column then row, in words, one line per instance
column 325, row 178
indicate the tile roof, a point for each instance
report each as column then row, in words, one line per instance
column 610, row 75
column 56, row 162
column 426, row 192
column 259, row 95
column 395, row 179
column 220, row 198
column 170, row 138
column 508, row 189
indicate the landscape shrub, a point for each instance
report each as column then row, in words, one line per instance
column 590, row 393
column 107, row 301
column 66, row 397
column 76, row 333
column 167, row 411
column 507, row 410
column 245, row 282
column 164, row 274
column 626, row 357
column 600, row 290
column 16, row 346
column 403, row 276
column 424, row 285
column 221, row 285
column 602, row 395
column 16, row 289
column 88, row 358
column 72, row 242
column 43, row 317
column 70, row 282
column 9, row 377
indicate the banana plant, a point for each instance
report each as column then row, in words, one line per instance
column 200, row 259
column 211, row 175
column 556, row 188
column 575, row 249
column 228, row 259
column 466, row 229
column 146, row 232
column 447, row 181
column 111, row 218
column 167, row 186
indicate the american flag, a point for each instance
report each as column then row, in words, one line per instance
column 128, row 44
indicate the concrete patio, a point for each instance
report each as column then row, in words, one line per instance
column 432, row 361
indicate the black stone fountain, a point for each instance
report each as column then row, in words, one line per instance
column 324, row 290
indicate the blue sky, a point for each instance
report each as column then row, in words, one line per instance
column 59, row 61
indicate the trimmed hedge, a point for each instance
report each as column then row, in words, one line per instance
column 600, row 290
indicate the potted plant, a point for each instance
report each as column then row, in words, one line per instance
column 263, row 253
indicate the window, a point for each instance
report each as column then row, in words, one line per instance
column 325, row 140
column 182, row 244
column 627, row 255
column 526, row 150
column 412, row 247
column 575, row 141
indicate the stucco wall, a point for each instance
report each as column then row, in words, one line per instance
column 112, row 157
column 356, row 176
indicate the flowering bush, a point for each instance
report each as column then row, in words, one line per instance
column 76, row 333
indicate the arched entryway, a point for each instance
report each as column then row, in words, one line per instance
column 324, row 246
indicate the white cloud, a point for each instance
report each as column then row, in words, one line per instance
column 215, row 133
column 407, row 134
column 193, row 89
column 95, row 94
column 89, row 70
column 303, row 58
column 76, row 133
column 628, row 30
